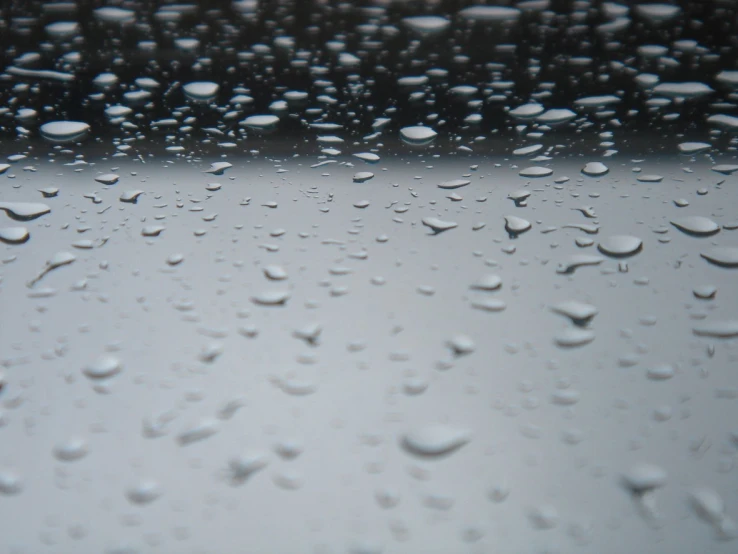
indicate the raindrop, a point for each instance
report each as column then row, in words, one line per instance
column 14, row 235
column 487, row 283
column 461, row 345
column 574, row 337
column 418, row 135
column 620, row 246
column 244, row 466
column 578, row 312
column 454, row 184
column 725, row 329
column 131, row 196
column 275, row 272
column 200, row 432
column 516, row 225
column 144, row 492
column 271, row 298
column 107, row 178
column 576, row 261
column 595, row 169
column 152, row 230
column 363, row 176
column 436, row 440
column 261, row 122
column 644, row 477
column 696, row 225
column 437, row 225
column 661, row 372
column 723, row 256
column 705, row 292
column 536, row 171
column 201, row 91
column 64, row 131
column 218, row 168
column 10, row 483
column 693, row 147
column 59, row 259
column 71, row 450
column 103, row 367
column 24, row 211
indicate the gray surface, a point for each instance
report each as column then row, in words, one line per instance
column 501, row 392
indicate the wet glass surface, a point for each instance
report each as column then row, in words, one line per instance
column 368, row 277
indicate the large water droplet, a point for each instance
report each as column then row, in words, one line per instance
column 64, row 131
column 24, row 211
column 724, row 256
column 620, row 246
column 14, row 235
column 696, row 225
column 436, row 440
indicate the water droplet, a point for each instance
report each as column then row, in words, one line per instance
column 64, row 131
column 131, row 196
column 10, row 483
column 461, row 345
column 218, row 168
column 574, row 337
column 725, row 169
column 487, row 283
column 368, row 157
column 516, row 225
column 112, row 14
column 71, row 450
column 426, row 23
column 724, row 329
column 705, row 292
column 275, row 273
column 489, row 304
column 696, row 225
column 14, row 235
column 59, row 259
column 24, row 211
column 175, row 259
column 595, row 169
column 519, row 197
column 271, row 298
column 144, row 492
column 437, row 225
column 708, row 505
column 108, row 179
column 201, row 91
column 363, row 176
column 643, row 477
column 203, row 430
column 261, row 122
column 103, row 368
column 535, row 172
column 578, row 312
column 693, row 147
column 418, row 135
column 244, row 466
column 152, row 230
column 436, row 440
column 661, row 372
column 620, row 246
column 454, row 184
column 544, row 517
column 572, row 263
column 490, row 13
column 723, row 256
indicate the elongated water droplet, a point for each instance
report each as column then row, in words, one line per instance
column 436, row 440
